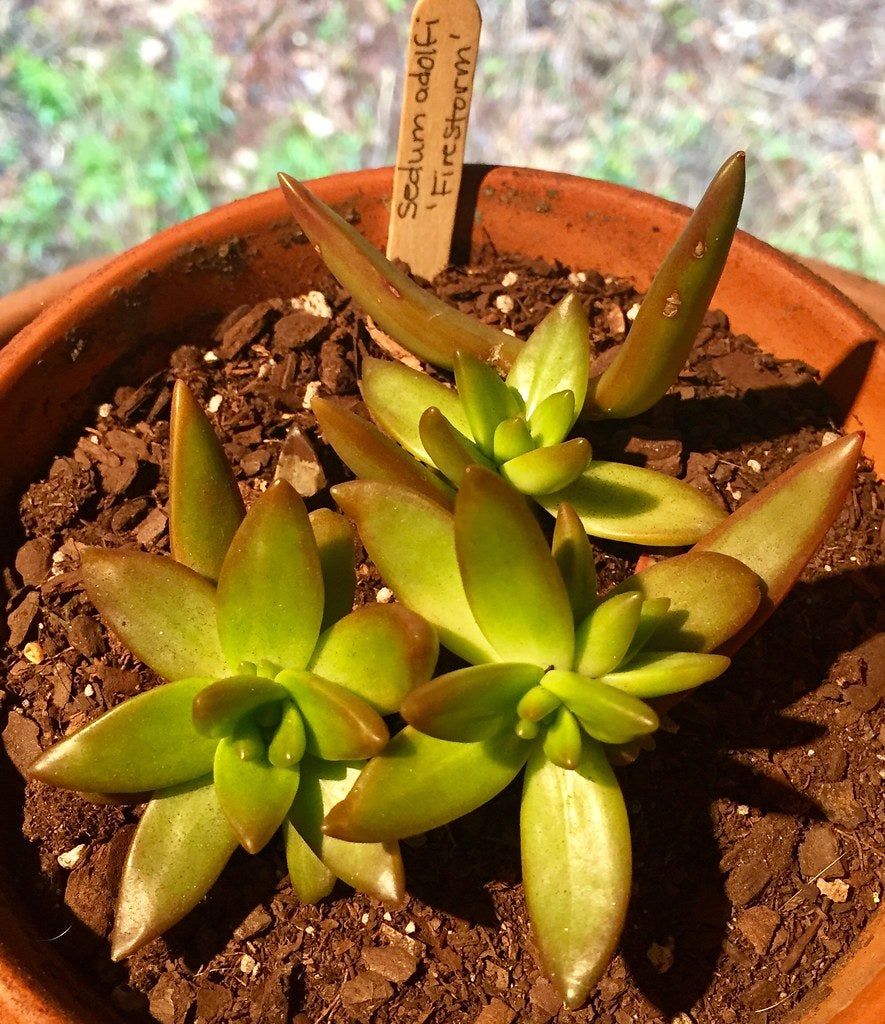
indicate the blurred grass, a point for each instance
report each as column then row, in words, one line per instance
column 115, row 126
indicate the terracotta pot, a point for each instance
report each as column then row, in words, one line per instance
column 181, row 282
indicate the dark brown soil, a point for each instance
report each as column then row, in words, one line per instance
column 759, row 833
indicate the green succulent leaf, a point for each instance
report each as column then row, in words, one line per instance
column 485, row 398
column 414, row 317
column 270, row 592
column 145, row 743
column 652, row 615
column 546, row 470
column 221, row 704
column 658, row 673
column 412, row 542
column 555, row 358
column 340, row 726
column 335, row 543
column 253, row 794
column 289, row 741
column 397, row 397
column 449, row 450
column 640, row 506
column 380, row 652
column 420, row 782
column 604, row 637
column 180, row 847
column 310, row 878
column 778, row 530
column 537, row 704
column 573, row 555
column 553, row 419
column 511, row 439
column 512, row 583
column 673, row 309
column 576, row 867
column 373, row 868
column 712, row 596
column 470, row 703
column 608, row 714
column 562, row 741
column 372, row 456
column 205, row 507
column 163, row 611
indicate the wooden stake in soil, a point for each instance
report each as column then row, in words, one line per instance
column 440, row 62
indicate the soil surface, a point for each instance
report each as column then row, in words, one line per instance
column 758, row 825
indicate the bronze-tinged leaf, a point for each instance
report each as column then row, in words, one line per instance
column 163, row 611
column 573, row 554
column 180, row 847
column 336, row 544
column 448, row 449
column 548, row 470
column 673, row 309
column 372, row 456
column 219, row 706
column 576, row 867
column 415, row 318
column 485, row 398
column 205, row 507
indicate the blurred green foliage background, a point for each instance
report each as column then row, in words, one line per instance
column 115, row 125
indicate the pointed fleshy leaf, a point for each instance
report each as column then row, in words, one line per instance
column 470, row 703
column 604, row 637
column 372, row 868
column 340, row 726
column 562, row 741
column 372, row 456
column 145, row 743
column 712, row 596
column 219, row 706
column 412, row 542
column 658, row 673
column 485, row 398
column 254, row 795
column 553, row 419
column 546, row 470
column 573, row 554
column 205, row 507
column 398, row 396
column 448, row 449
column 163, row 611
column 270, row 592
column 512, row 583
column 420, row 782
column 555, row 358
column 652, row 615
column 512, row 438
column 309, row 876
column 335, row 544
column 379, row 652
column 180, row 847
column 608, row 714
column 673, row 309
column 576, row 867
column 289, row 740
column 412, row 316
column 537, row 704
column 778, row 530
column 640, row 506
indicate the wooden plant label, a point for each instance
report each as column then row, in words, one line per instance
column 441, row 60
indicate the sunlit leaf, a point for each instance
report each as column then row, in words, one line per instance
column 270, row 592
column 414, row 317
column 145, row 743
column 555, row 358
column 335, row 543
column 449, row 450
column 562, row 741
column 608, row 714
column 470, row 703
column 657, row 673
column 547, row 470
column 553, row 418
column 511, row 439
column 180, row 847
column 573, row 555
column 219, row 706
column 379, row 652
column 372, row 456
column 289, row 740
column 712, row 596
column 339, row 725
column 512, row 583
column 604, row 637
column 420, row 782
column 310, row 878
column 640, row 506
column 412, row 542
column 163, row 611
column 485, row 398
column 652, row 615
column 576, row 867
column 397, row 397
column 673, row 309
column 205, row 507
column 537, row 704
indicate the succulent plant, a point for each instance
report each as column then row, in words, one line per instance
column 275, row 696
column 520, row 426
column 556, row 673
